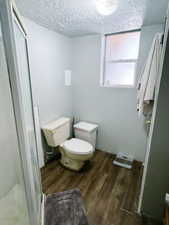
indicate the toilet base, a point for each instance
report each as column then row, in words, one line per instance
column 71, row 163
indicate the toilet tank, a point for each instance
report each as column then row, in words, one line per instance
column 86, row 131
column 57, row 131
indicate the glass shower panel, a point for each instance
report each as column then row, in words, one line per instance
column 13, row 204
column 25, row 88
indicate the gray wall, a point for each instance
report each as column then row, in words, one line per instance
column 114, row 109
column 49, row 55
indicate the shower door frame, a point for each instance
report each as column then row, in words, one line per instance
column 7, row 8
column 147, row 155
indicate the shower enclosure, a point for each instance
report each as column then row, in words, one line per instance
column 20, row 184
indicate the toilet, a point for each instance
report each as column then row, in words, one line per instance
column 74, row 151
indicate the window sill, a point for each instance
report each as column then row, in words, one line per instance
column 117, row 86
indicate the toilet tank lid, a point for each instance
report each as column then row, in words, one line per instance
column 56, row 123
column 89, row 127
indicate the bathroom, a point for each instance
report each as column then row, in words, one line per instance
column 62, row 75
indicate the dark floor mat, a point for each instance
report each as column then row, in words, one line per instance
column 65, row 208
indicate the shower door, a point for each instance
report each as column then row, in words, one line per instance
column 28, row 117
column 15, row 40
column 13, row 204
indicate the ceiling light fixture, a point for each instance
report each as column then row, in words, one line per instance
column 106, row 7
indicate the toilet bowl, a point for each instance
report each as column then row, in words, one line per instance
column 75, row 151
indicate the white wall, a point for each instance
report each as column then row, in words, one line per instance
column 114, row 109
column 49, row 55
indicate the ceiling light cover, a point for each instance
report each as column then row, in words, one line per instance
column 106, row 7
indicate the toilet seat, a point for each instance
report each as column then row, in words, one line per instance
column 78, row 146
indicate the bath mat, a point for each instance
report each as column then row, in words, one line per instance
column 65, row 208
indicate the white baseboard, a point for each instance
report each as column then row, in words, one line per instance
column 43, row 209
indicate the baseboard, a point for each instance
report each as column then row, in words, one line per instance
column 43, row 209
column 139, row 163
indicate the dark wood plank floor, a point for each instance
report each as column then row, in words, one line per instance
column 110, row 192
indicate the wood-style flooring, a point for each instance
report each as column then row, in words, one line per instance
column 110, row 192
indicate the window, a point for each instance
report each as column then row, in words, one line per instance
column 120, row 58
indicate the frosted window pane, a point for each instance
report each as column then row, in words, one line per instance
column 120, row 74
column 122, row 46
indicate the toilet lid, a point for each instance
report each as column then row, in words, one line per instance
column 78, row 146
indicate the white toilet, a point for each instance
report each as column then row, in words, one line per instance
column 75, row 151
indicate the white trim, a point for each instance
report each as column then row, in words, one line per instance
column 40, row 152
column 122, row 61
column 19, row 17
column 117, row 86
column 103, row 64
column 102, row 59
column 43, row 209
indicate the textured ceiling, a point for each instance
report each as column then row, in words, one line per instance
column 155, row 11
column 79, row 17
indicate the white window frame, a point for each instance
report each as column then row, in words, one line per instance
column 103, row 62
